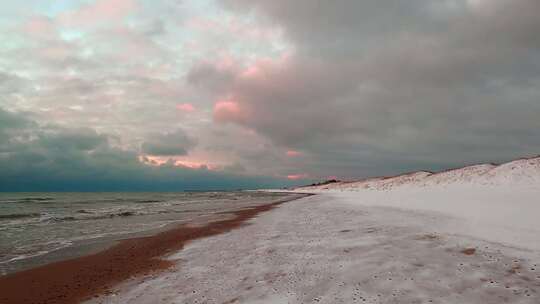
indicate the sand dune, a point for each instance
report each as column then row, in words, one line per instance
column 522, row 172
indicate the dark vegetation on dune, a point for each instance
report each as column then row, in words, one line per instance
column 327, row 182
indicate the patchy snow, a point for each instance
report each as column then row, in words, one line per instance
column 469, row 235
column 469, row 174
column 349, row 247
column 521, row 172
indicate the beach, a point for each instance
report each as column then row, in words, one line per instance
column 332, row 248
column 451, row 244
column 74, row 280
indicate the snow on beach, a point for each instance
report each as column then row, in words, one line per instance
column 521, row 173
column 500, row 203
column 469, row 235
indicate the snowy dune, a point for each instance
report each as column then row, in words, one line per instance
column 499, row 203
column 469, row 235
column 522, row 172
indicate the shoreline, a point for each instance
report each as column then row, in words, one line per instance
column 78, row 279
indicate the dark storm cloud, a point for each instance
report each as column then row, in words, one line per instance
column 51, row 158
column 13, row 121
column 378, row 86
column 168, row 144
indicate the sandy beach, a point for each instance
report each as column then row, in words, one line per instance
column 75, row 280
column 451, row 244
column 332, row 248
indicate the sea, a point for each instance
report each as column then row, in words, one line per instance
column 39, row 228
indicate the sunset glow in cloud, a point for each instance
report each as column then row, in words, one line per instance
column 225, row 110
column 185, row 107
column 173, row 161
column 293, row 153
column 297, row 176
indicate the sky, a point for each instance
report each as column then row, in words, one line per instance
column 225, row 94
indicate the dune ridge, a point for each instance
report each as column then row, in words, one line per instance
column 523, row 171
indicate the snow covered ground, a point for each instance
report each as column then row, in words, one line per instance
column 468, row 235
column 451, row 244
column 520, row 173
column 499, row 203
column 509, row 215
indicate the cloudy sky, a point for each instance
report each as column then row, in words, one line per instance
column 179, row 94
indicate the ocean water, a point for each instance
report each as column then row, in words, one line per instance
column 36, row 228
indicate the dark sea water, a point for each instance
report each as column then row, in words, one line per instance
column 36, row 228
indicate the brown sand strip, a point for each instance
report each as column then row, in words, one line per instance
column 75, row 280
column 468, row 251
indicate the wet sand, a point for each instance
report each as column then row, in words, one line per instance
column 76, row 280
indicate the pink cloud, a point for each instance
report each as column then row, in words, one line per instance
column 261, row 66
column 185, row 107
column 297, row 176
column 195, row 165
column 181, row 163
column 100, row 10
column 228, row 110
column 226, row 62
column 294, row 153
column 247, row 88
column 40, row 27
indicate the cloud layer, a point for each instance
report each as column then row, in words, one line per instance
column 36, row 157
column 292, row 90
column 168, row 144
column 398, row 85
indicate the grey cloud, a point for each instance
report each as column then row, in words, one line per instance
column 122, row 79
column 370, row 87
column 13, row 126
column 340, row 28
column 168, row 144
column 59, row 159
column 10, row 84
column 78, row 139
column 154, row 28
column 10, row 121
column 209, row 77
column 379, row 86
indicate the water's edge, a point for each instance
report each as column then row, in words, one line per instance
column 91, row 246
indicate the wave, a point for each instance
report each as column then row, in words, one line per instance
column 96, row 217
column 27, row 200
column 18, row 216
column 45, row 200
column 85, row 216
